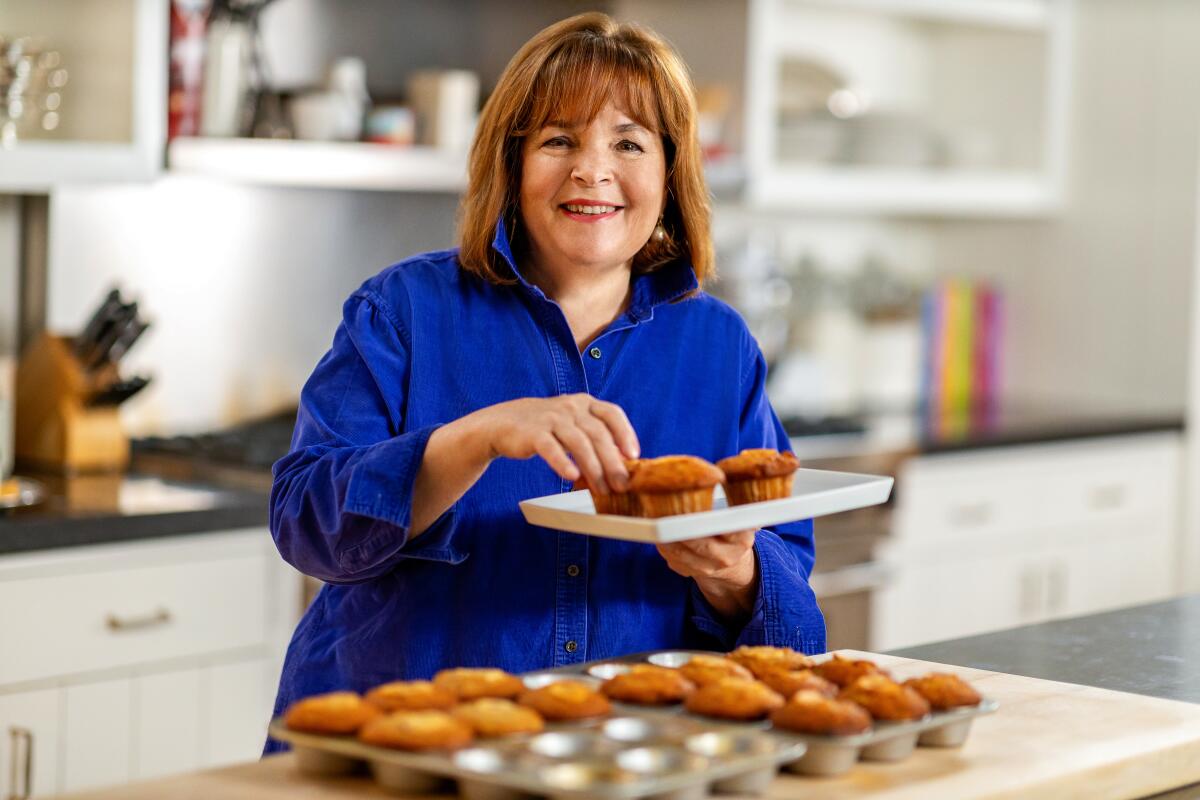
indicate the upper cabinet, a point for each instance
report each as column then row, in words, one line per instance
column 907, row 107
column 92, row 76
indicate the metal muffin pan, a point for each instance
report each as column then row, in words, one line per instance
column 618, row 757
column 825, row 755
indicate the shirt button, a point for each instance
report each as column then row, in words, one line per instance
column 571, row 646
column 573, row 570
column 595, row 352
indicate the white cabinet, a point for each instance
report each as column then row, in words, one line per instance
column 96, row 734
column 112, row 112
column 29, row 727
column 996, row 538
column 143, row 659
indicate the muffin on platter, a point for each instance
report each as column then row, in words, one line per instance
column 674, row 485
column 613, row 502
column 758, row 474
column 702, row 669
column 760, row 659
column 845, row 671
column 789, row 681
column 335, row 713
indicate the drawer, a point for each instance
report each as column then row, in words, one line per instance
column 64, row 624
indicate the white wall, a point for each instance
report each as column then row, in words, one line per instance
column 244, row 285
column 1099, row 298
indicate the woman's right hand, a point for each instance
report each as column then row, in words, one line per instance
column 576, row 434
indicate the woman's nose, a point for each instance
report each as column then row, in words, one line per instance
column 592, row 169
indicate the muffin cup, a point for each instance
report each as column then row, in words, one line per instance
column 739, row 493
column 668, row 504
column 624, row 504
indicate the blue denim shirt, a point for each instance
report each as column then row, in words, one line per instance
column 424, row 343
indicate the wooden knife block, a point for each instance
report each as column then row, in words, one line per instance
column 55, row 429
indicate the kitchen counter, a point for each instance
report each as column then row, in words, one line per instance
column 1152, row 650
column 1148, row 650
column 98, row 509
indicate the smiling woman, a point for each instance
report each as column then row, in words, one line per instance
column 568, row 333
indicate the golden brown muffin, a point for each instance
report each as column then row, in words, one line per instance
column 624, row 504
column 885, row 699
column 813, row 712
column 472, row 683
column 761, row 659
column 333, row 713
column 758, row 474
column 789, row 681
column 566, row 700
column 411, row 696
column 845, row 671
column 704, row 669
column 490, row 717
column 733, row 698
column 674, row 485
column 648, row 685
column 944, row 691
column 417, row 730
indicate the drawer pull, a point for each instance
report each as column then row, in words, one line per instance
column 23, row 769
column 159, row 617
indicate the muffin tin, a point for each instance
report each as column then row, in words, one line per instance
column 658, row 753
column 824, row 755
column 624, row 755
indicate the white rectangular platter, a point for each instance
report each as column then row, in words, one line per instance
column 815, row 493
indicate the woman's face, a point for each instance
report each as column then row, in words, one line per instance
column 591, row 195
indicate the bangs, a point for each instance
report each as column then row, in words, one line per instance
column 587, row 71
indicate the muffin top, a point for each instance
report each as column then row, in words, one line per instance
column 886, row 699
column 733, row 698
column 472, row 683
column 411, row 696
column 812, row 712
column 333, row 713
column 944, row 690
column 761, row 659
column 673, row 474
column 417, row 730
column 758, row 463
column 646, row 684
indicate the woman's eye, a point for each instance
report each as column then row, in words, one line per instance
column 629, row 147
column 556, row 141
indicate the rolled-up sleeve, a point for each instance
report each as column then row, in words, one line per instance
column 785, row 611
column 341, row 501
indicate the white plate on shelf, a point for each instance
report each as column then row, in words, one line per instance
column 815, row 493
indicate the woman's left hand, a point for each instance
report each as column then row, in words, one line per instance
column 724, row 568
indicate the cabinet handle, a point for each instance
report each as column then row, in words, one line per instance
column 16, row 735
column 152, row 620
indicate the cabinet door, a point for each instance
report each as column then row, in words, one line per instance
column 97, row 737
column 1110, row 572
column 167, row 723
column 29, row 721
column 931, row 601
column 237, row 710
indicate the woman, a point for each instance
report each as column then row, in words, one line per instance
column 568, row 332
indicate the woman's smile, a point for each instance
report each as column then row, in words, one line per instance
column 582, row 210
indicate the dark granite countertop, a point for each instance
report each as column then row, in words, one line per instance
column 1151, row 650
column 96, row 509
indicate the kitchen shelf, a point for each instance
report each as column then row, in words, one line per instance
column 904, row 192
column 329, row 165
column 1032, row 15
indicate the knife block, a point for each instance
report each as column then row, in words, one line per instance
column 55, row 428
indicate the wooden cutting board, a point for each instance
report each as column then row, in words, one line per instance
column 1048, row 740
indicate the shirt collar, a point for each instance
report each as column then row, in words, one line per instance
column 667, row 283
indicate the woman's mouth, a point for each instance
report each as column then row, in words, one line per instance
column 582, row 212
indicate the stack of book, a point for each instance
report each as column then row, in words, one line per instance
column 963, row 323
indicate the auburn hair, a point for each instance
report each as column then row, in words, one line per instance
column 568, row 71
